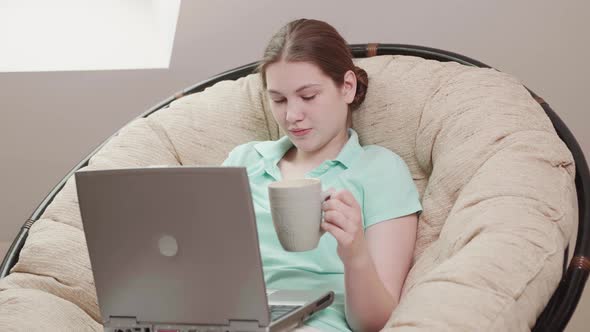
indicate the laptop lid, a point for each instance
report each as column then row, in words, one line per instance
column 173, row 244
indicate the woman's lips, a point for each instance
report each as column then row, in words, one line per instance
column 300, row 132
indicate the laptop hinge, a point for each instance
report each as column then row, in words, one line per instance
column 122, row 321
column 244, row 325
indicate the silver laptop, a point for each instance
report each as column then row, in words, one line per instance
column 175, row 249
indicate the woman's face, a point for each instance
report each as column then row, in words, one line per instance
column 307, row 104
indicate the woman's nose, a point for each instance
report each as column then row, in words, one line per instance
column 294, row 113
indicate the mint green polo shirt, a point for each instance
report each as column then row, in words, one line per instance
column 377, row 177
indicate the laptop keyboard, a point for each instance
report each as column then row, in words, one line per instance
column 278, row 311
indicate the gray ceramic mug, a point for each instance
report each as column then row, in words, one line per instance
column 296, row 209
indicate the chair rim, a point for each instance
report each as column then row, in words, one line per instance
column 563, row 302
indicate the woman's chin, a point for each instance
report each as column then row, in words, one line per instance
column 306, row 143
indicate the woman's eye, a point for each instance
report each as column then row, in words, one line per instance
column 279, row 101
column 308, row 97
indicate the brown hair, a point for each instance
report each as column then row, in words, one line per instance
column 319, row 43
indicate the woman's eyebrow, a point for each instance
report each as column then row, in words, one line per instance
column 299, row 89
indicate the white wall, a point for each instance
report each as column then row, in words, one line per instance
column 82, row 34
column 52, row 120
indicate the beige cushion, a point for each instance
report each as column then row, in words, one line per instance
column 497, row 187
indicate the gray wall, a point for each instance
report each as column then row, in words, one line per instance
column 50, row 121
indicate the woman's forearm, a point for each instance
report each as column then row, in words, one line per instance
column 368, row 303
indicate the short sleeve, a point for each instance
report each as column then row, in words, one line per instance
column 389, row 190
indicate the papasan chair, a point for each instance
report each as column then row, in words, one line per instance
column 502, row 181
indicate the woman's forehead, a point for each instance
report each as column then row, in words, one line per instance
column 292, row 76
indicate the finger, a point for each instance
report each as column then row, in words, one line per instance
column 347, row 198
column 352, row 214
column 338, row 219
column 330, row 191
column 336, row 204
column 340, row 235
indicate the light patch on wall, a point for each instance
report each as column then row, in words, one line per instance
column 66, row 35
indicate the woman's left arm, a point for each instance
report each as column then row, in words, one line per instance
column 376, row 261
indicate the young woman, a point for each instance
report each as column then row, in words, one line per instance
column 313, row 86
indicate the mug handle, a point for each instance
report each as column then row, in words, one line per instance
column 324, row 196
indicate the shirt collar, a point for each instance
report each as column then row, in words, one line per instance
column 275, row 150
column 351, row 150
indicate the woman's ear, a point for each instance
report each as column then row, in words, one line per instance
column 349, row 86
